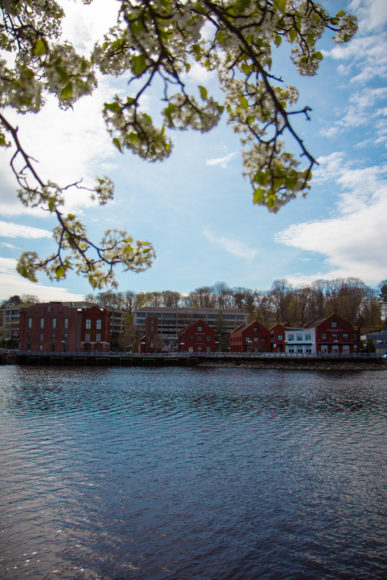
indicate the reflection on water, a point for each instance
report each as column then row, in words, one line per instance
column 191, row 473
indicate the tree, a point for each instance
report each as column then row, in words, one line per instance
column 161, row 39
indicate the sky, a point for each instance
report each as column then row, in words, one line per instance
column 196, row 207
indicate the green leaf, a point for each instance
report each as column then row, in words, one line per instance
column 203, row 92
column 278, row 40
column 291, row 182
column 60, row 271
column 117, row 143
column 259, row 195
column 281, row 4
column 244, row 102
column 138, row 64
column 115, row 107
column 318, row 55
column 40, row 47
column 293, row 34
column 67, row 91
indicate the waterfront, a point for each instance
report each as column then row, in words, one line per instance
column 191, row 473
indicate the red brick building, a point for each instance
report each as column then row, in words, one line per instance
column 277, row 334
column 253, row 337
column 197, row 337
column 64, row 327
column 95, row 330
column 333, row 335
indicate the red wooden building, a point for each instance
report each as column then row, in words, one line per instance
column 61, row 327
column 196, row 337
column 277, row 334
column 253, row 337
column 333, row 335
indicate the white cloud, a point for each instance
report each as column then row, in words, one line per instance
column 221, row 161
column 354, row 239
column 232, row 246
column 12, row 283
column 11, row 230
column 85, row 24
column 372, row 13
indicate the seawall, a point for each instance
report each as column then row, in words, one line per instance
column 268, row 361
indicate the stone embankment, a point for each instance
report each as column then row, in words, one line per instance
column 297, row 362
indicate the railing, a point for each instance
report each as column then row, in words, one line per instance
column 212, row 355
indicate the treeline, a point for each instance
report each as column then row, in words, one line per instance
column 349, row 297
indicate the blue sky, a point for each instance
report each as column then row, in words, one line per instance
column 196, row 207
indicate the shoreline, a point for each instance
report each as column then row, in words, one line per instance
column 358, row 363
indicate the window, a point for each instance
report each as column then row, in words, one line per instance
column 335, row 348
column 334, row 324
column 324, row 348
column 300, row 337
column 66, row 322
column 42, row 322
column 334, row 335
column 345, row 335
column 30, row 322
column 66, row 335
column 255, row 338
column 279, row 337
column 54, row 323
column 199, row 338
column 324, row 336
column 308, row 337
column 98, row 337
column 41, row 336
column 346, row 348
column 200, row 328
column 99, row 324
column 88, row 323
column 255, row 329
column 87, row 336
column 40, row 347
column 291, row 337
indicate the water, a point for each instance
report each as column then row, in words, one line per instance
column 191, row 473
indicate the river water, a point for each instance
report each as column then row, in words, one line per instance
column 191, row 473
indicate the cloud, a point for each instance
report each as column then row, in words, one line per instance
column 11, row 283
column 365, row 56
column 372, row 13
column 365, row 109
column 11, row 230
column 221, row 161
column 235, row 247
column 354, row 239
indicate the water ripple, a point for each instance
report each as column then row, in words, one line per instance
column 191, row 473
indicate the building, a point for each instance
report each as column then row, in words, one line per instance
column 9, row 324
column 300, row 340
column 253, row 337
column 333, row 335
column 197, row 337
column 59, row 327
column 95, row 330
column 172, row 320
column 377, row 341
column 277, row 334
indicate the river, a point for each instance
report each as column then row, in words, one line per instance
column 182, row 473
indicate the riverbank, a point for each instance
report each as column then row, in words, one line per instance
column 262, row 361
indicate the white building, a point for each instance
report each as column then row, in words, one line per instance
column 300, row 340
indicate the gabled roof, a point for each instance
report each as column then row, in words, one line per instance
column 245, row 326
column 195, row 323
